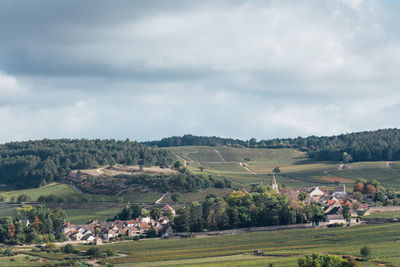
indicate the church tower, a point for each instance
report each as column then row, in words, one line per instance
column 274, row 184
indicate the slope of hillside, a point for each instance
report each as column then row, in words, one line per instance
column 246, row 166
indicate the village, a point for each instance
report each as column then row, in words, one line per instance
column 339, row 207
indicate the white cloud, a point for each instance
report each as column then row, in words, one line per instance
column 11, row 88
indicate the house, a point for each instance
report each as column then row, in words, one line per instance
column 77, row 235
column 24, row 222
column 144, row 227
column 133, row 231
column 339, row 190
column 97, row 241
column 108, row 234
column 168, row 207
column 316, row 193
column 336, row 208
column 89, row 238
column 163, row 220
column 335, row 218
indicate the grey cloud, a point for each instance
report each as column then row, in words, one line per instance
column 144, row 70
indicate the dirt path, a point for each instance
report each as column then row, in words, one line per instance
column 100, row 170
column 160, row 199
column 246, row 168
column 219, row 155
column 184, row 160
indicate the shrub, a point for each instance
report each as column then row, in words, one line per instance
column 94, row 251
column 365, row 251
column 68, row 248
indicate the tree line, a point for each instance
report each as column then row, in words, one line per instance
column 259, row 207
column 376, row 145
column 45, row 226
column 34, row 163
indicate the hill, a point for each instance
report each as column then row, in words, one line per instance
column 32, row 163
column 379, row 145
column 246, row 166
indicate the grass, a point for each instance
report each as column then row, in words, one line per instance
column 34, row 193
column 282, row 248
column 384, row 215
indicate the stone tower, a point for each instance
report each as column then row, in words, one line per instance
column 274, row 184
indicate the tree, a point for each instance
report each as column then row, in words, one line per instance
column 358, row 195
column 178, row 164
column 151, row 233
column 51, row 247
column 276, row 170
column 370, row 189
column 317, row 260
column 379, row 197
column 68, row 248
column 176, row 197
column 359, row 187
column 347, row 157
column 346, row 212
column 11, row 231
column 365, row 251
column 94, row 251
column 23, row 198
column 302, row 196
column 110, row 252
column 314, row 212
column 37, row 225
column 155, row 213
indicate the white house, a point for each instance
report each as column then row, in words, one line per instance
column 316, row 192
column 335, row 218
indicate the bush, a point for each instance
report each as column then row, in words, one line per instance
column 365, row 251
column 68, row 248
column 110, row 252
column 94, row 251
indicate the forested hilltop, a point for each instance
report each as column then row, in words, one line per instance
column 32, row 163
column 361, row 146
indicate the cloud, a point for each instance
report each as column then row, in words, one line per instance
column 10, row 88
column 232, row 68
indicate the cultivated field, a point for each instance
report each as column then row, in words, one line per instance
column 246, row 166
column 282, row 248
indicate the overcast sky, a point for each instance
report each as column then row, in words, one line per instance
column 150, row 69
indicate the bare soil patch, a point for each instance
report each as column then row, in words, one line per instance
column 336, row 178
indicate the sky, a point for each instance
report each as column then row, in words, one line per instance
column 145, row 70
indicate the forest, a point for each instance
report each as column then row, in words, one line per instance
column 34, row 163
column 184, row 181
column 379, row 145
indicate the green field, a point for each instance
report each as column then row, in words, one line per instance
column 282, row 248
column 78, row 216
column 81, row 216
